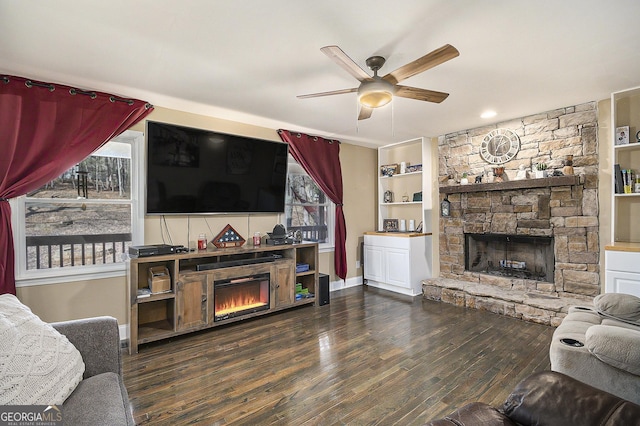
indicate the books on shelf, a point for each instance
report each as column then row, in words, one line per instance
column 144, row 292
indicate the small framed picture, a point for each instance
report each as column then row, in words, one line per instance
column 388, row 170
column 390, row 225
column 622, row 135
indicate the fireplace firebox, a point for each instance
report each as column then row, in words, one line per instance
column 236, row 297
column 527, row 257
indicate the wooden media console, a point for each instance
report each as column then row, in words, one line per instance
column 201, row 286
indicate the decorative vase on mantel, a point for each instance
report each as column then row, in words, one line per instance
column 567, row 170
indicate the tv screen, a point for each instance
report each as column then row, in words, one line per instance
column 195, row 171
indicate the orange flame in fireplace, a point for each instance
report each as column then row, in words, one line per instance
column 240, row 299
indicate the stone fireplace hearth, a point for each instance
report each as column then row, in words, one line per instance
column 561, row 209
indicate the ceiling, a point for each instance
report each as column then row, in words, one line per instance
column 246, row 60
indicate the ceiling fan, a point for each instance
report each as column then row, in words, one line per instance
column 377, row 91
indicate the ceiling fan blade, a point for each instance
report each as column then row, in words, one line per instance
column 422, row 64
column 365, row 112
column 338, row 56
column 333, row 92
column 420, row 94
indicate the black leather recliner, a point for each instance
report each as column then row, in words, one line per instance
column 549, row 399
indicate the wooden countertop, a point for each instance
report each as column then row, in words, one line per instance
column 623, row 246
column 398, row 234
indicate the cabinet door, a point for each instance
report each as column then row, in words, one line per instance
column 397, row 266
column 284, row 285
column 191, row 299
column 622, row 282
column 373, row 264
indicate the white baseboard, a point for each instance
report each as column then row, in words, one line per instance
column 124, row 332
column 342, row 284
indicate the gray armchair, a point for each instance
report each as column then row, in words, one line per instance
column 101, row 397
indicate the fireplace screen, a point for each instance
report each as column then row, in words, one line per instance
column 240, row 296
column 510, row 256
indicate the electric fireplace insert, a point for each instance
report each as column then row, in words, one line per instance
column 235, row 297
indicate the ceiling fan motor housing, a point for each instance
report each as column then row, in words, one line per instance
column 375, row 93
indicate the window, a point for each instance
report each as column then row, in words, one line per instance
column 308, row 209
column 81, row 223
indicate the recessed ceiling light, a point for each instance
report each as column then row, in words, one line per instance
column 488, row 114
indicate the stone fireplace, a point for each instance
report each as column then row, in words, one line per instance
column 551, row 223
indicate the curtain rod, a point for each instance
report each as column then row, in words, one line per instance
column 73, row 91
column 315, row 138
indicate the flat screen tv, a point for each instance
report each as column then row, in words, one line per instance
column 195, row 171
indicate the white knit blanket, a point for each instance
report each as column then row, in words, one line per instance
column 38, row 365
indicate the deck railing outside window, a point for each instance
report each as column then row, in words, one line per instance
column 57, row 251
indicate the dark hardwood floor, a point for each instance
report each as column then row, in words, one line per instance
column 369, row 357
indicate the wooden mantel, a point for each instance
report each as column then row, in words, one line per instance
column 514, row 184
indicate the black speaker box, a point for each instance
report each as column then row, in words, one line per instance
column 323, row 290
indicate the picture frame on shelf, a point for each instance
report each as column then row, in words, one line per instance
column 389, row 170
column 390, row 225
column 622, row 135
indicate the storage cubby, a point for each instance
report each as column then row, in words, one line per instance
column 156, row 319
column 307, row 278
column 143, row 274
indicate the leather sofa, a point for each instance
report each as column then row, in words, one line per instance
column 548, row 398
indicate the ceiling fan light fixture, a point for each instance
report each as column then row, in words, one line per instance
column 376, row 93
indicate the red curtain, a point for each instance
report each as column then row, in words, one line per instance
column 320, row 158
column 44, row 130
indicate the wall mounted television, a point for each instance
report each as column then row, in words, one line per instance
column 194, row 171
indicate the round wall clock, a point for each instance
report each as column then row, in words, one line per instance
column 499, row 146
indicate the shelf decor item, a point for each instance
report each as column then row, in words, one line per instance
column 414, row 168
column 159, row 279
column 228, row 237
column 390, row 225
column 497, row 174
column 622, row 135
column 541, row 170
column 567, row 170
column 389, row 170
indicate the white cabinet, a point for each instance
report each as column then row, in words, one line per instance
column 622, row 272
column 622, row 256
column 373, row 258
column 397, row 263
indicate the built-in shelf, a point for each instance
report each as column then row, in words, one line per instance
column 399, row 175
column 514, row 184
column 399, row 203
